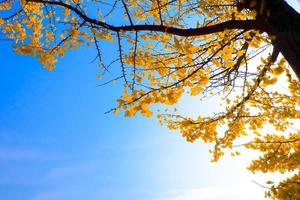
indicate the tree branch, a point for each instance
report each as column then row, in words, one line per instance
column 231, row 24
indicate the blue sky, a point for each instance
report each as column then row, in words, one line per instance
column 57, row 143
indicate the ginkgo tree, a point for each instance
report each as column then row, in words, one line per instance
column 240, row 50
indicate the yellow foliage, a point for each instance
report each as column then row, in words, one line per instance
column 159, row 65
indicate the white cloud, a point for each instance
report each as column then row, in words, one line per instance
column 73, row 170
column 19, row 154
column 243, row 191
column 53, row 195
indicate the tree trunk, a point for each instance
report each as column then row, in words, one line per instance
column 284, row 23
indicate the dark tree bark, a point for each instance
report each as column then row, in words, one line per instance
column 284, row 24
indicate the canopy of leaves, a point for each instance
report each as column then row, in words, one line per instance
column 171, row 48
